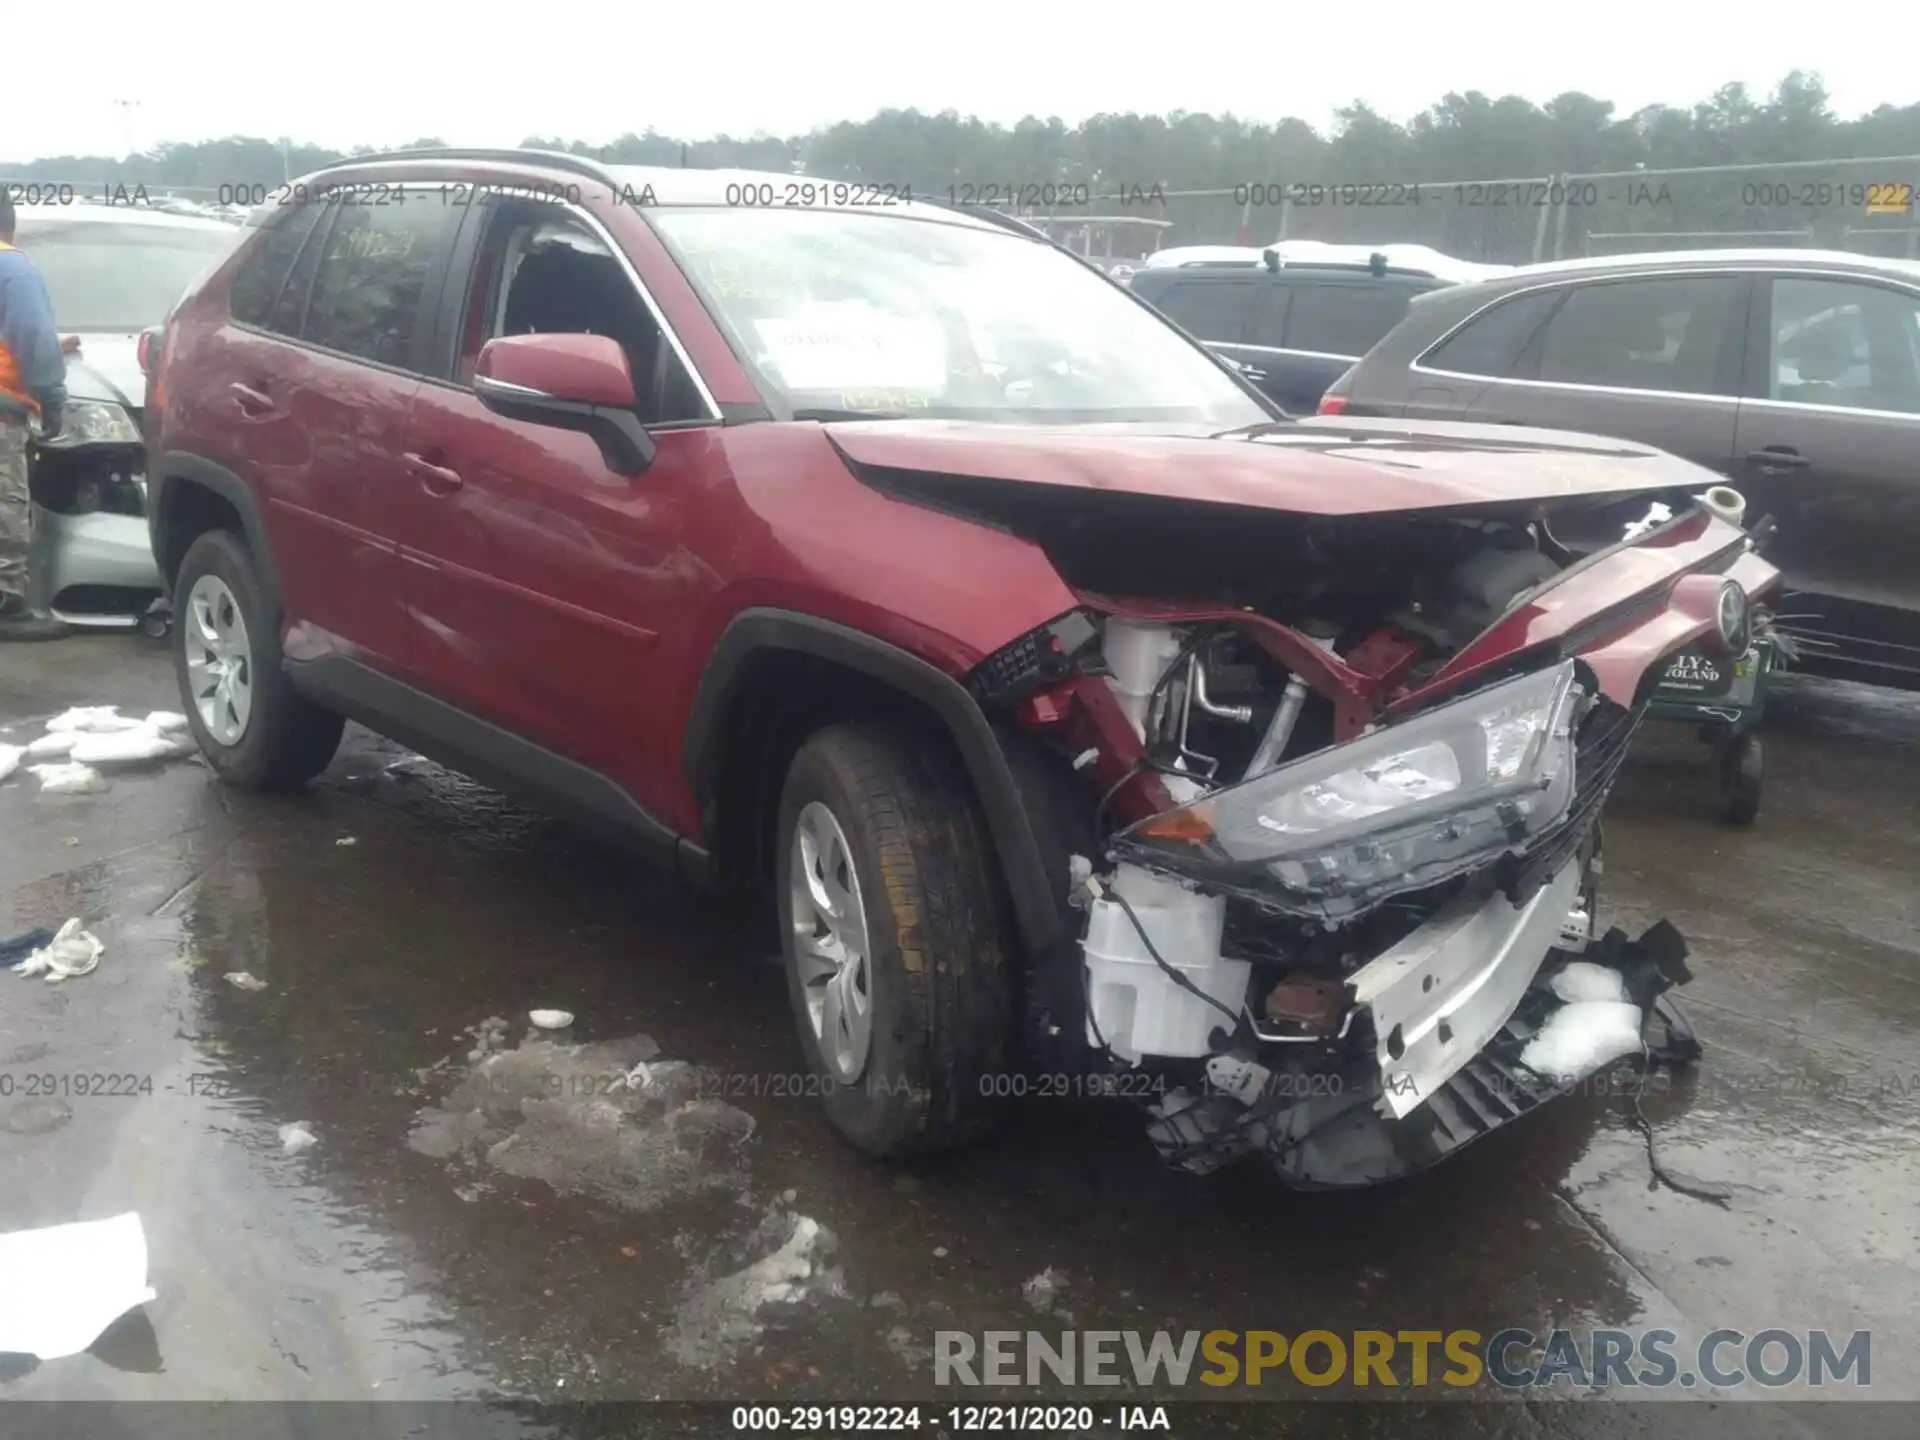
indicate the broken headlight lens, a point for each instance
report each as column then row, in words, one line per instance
column 1406, row 806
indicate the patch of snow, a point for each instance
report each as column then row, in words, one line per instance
column 1580, row 1037
column 1584, row 980
column 720, row 1318
column 10, row 756
column 297, row 1136
column 69, row 779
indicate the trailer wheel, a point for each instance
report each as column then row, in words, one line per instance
column 1741, row 773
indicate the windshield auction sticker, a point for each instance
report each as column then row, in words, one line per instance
column 853, row 347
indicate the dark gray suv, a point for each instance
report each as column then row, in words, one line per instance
column 1794, row 373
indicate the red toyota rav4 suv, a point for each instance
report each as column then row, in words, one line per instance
column 1094, row 726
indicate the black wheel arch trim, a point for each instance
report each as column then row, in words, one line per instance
column 180, row 467
column 756, row 631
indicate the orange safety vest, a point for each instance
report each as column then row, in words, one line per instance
column 11, row 386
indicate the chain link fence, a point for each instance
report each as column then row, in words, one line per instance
column 1865, row 205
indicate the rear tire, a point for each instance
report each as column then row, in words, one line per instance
column 894, row 823
column 252, row 726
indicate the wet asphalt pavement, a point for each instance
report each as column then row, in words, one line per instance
column 484, row 1211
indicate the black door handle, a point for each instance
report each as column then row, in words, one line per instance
column 1783, row 458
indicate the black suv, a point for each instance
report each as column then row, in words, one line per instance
column 1794, row 373
column 1291, row 327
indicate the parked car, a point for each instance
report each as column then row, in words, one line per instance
column 1794, row 373
column 1082, row 716
column 1294, row 316
column 111, row 272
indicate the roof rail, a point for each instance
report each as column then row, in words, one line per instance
column 558, row 159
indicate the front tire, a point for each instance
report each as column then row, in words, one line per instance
column 252, row 726
column 898, row 946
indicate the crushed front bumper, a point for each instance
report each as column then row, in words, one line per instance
column 1452, row 1007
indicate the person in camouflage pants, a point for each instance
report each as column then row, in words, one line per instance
column 33, row 380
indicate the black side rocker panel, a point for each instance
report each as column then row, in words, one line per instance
column 1036, row 911
column 491, row 755
column 177, row 467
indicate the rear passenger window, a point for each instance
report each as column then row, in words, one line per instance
column 368, row 291
column 1344, row 319
column 1642, row 335
column 1844, row 344
column 1213, row 309
column 265, row 271
column 1491, row 342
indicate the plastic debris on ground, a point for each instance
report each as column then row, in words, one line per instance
column 71, row 953
column 10, row 757
column 551, row 1019
column 69, row 778
column 61, row 1286
column 1584, row 980
column 241, row 980
column 296, row 1137
column 1581, row 1036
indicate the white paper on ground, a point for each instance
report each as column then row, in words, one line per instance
column 1584, row 980
column 1581, row 1037
column 59, row 742
column 61, row 1285
column 10, row 756
column 68, row 779
column 123, row 747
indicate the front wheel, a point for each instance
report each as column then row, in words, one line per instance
column 254, row 728
column 898, row 948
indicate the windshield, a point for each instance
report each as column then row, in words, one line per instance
column 874, row 313
column 104, row 276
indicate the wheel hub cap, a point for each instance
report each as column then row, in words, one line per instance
column 830, row 942
column 219, row 660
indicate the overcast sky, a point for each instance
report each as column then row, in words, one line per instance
column 382, row 74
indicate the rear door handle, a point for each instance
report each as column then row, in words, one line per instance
column 438, row 479
column 252, row 402
column 1784, row 457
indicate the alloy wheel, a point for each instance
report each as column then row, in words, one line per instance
column 219, row 660
column 831, row 948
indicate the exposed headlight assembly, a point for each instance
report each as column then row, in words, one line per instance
column 93, row 422
column 1407, row 806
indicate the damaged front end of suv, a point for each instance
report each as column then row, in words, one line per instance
column 1341, row 904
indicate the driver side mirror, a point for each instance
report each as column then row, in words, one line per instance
column 575, row 382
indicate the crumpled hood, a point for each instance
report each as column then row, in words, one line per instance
column 107, row 368
column 1322, row 466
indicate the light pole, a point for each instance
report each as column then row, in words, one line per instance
column 126, row 109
